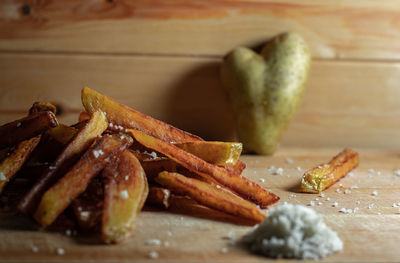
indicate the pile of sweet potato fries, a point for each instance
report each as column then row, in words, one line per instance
column 106, row 166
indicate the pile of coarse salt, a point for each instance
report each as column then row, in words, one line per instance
column 293, row 231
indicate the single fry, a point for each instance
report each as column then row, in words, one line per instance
column 323, row 176
column 220, row 153
column 62, row 133
column 241, row 185
column 11, row 164
column 25, row 128
column 95, row 127
column 75, row 181
column 125, row 191
column 210, row 196
column 237, row 168
column 121, row 115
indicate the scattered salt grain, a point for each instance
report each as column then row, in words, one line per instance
column 356, row 209
column 378, row 173
column 394, row 205
column 126, row 177
column 279, row 171
column 79, row 208
column 52, row 167
column 68, row 232
column 124, row 194
column 299, row 168
column 97, row 153
column 153, row 242
column 312, row 203
column 335, row 204
column 322, row 195
column 289, row 160
column 346, row 211
column 153, row 255
column 224, row 250
column 262, row 180
column 169, row 233
column 35, row 249
column 347, row 191
column 371, row 170
column 271, row 169
column 319, row 203
column 350, row 174
column 397, row 172
column 218, row 186
column 338, row 191
column 316, row 199
column 370, row 206
column 19, row 124
column 374, row 193
column 2, row 177
column 358, row 202
column 60, row 251
column 328, row 199
column 111, row 124
column 85, row 215
column 354, row 186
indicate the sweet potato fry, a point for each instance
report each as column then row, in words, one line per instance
column 210, row 196
column 323, row 176
column 125, row 190
column 88, row 207
column 70, row 154
column 11, row 164
column 220, row 153
column 25, row 128
column 121, row 115
column 74, row 182
column 62, row 133
column 241, row 185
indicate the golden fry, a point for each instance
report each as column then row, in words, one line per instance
column 125, row 191
column 95, row 127
column 241, row 185
column 220, row 153
column 75, row 181
column 25, row 128
column 323, row 176
column 121, row 115
column 210, row 196
column 11, row 164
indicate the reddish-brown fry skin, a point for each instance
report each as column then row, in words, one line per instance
column 58, row 197
column 210, row 196
column 64, row 161
column 13, row 163
column 25, row 128
column 241, row 185
column 83, row 116
column 119, row 114
column 237, row 168
column 122, row 176
column 88, row 207
column 40, row 106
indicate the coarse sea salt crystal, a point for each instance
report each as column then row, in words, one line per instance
column 153, row 254
column 397, row 172
column 374, row 193
column 282, row 234
column 153, row 242
column 335, row 204
column 35, row 249
column 262, row 180
column 124, row 194
column 60, row 251
column 289, row 160
column 279, row 171
column 2, row 177
column 347, row 191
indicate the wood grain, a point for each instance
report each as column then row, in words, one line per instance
column 369, row 235
column 346, row 103
column 339, row 30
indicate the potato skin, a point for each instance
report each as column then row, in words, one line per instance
column 265, row 89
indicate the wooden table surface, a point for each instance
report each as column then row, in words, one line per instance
column 369, row 235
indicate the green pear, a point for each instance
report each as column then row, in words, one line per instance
column 266, row 89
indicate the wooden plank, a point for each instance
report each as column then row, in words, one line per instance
column 369, row 235
column 334, row 29
column 346, row 103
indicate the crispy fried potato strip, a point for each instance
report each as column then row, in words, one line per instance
column 62, row 133
column 121, row 115
column 220, row 153
column 210, row 196
column 125, row 191
column 74, row 182
column 241, row 185
column 11, row 164
column 85, row 137
column 323, row 176
column 25, row 128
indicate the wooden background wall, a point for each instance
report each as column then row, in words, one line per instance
column 162, row 58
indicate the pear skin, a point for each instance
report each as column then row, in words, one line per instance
column 266, row 89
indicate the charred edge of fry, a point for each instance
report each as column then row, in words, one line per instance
column 244, row 187
column 323, row 176
column 210, row 196
column 125, row 189
column 123, row 115
column 13, row 163
column 25, row 128
column 57, row 198
column 83, row 139
column 42, row 106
